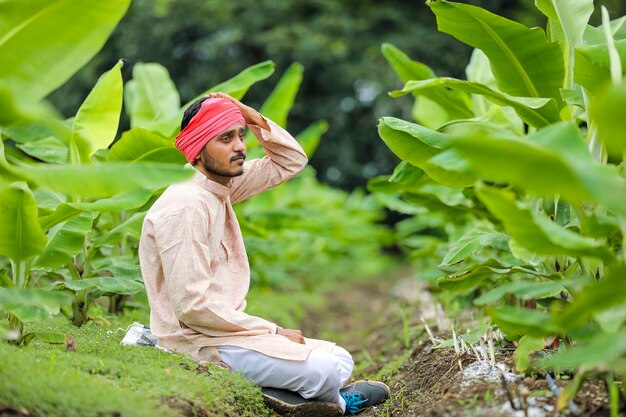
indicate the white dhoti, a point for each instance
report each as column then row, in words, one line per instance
column 320, row 376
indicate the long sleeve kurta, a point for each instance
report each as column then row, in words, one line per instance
column 194, row 262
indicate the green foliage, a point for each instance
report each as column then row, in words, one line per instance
column 523, row 61
column 20, row 234
column 541, row 161
column 43, row 43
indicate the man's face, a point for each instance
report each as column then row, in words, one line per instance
column 225, row 154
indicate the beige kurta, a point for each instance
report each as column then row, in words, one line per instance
column 194, row 262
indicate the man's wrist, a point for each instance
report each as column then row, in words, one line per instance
column 259, row 121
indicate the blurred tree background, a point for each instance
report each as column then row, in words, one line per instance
column 338, row 41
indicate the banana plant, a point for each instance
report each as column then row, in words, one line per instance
column 531, row 145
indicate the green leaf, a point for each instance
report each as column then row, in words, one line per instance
column 280, row 101
column 525, row 290
column 593, row 64
column 39, row 129
column 451, row 197
column 535, row 231
column 553, row 160
column 16, row 109
column 5, row 281
column 52, row 337
column 50, row 150
column 152, row 101
column 600, row 352
column 238, row 85
column 406, row 174
column 611, row 123
column 455, row 104
column 125, row 272
column 523, row 61
column 43, row 43
column 131, row 227
column 596, row 35
column 615, row 66
column 20, row 233
column 526, row 346
column 521, row 321
column 310, row 137
column 572, row 17
column 608, row 292
column 416, row 144
column 65, row 243
column 468, row 279
column 405, row 178
column 103, row 286
column 611, row 319
column 536, row 112
column 394, row 203
column 143, row 145
column 473, row 242
column 6, row 171
column 108, row 179
column 30, row 304
column 126, row 201
column 96, row 122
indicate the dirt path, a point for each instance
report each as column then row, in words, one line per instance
column 379, row 322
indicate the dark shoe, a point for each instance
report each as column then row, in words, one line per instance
column 291, row 404
column 360, row 395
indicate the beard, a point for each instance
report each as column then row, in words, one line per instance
column 214, row 166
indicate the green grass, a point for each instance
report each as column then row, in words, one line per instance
column 104, row 378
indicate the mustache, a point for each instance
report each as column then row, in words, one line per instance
column 240, row 155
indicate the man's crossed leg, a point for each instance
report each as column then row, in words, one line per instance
column 319, row 378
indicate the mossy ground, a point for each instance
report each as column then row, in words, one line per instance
column 104, row 378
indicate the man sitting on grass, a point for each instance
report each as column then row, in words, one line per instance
column 196, row 271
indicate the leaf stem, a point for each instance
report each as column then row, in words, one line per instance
column 19, row 273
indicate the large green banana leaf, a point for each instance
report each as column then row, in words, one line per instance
column 416, row 144
column 67, row 211
column 130, row 227
column 97, row 119
column 310, row 137
column 593, row 65
column 30, row 304
column 456, row 104
column 572, row 17
column 522, row 321
column 239, row 85
column 151, row 99
column 279, row 103
column 44, row 42
column 607, row 111
column 64, row 243
column 144, row 145
column 553, row 160
column 536, row 232
column 536, row 112
column 21, row 236
column 596, row 297
column 523, row 61
column 150, row 95
column 105, row 180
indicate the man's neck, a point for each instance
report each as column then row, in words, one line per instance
column 220, row 179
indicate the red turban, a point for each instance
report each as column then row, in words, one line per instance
column 215, row 116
